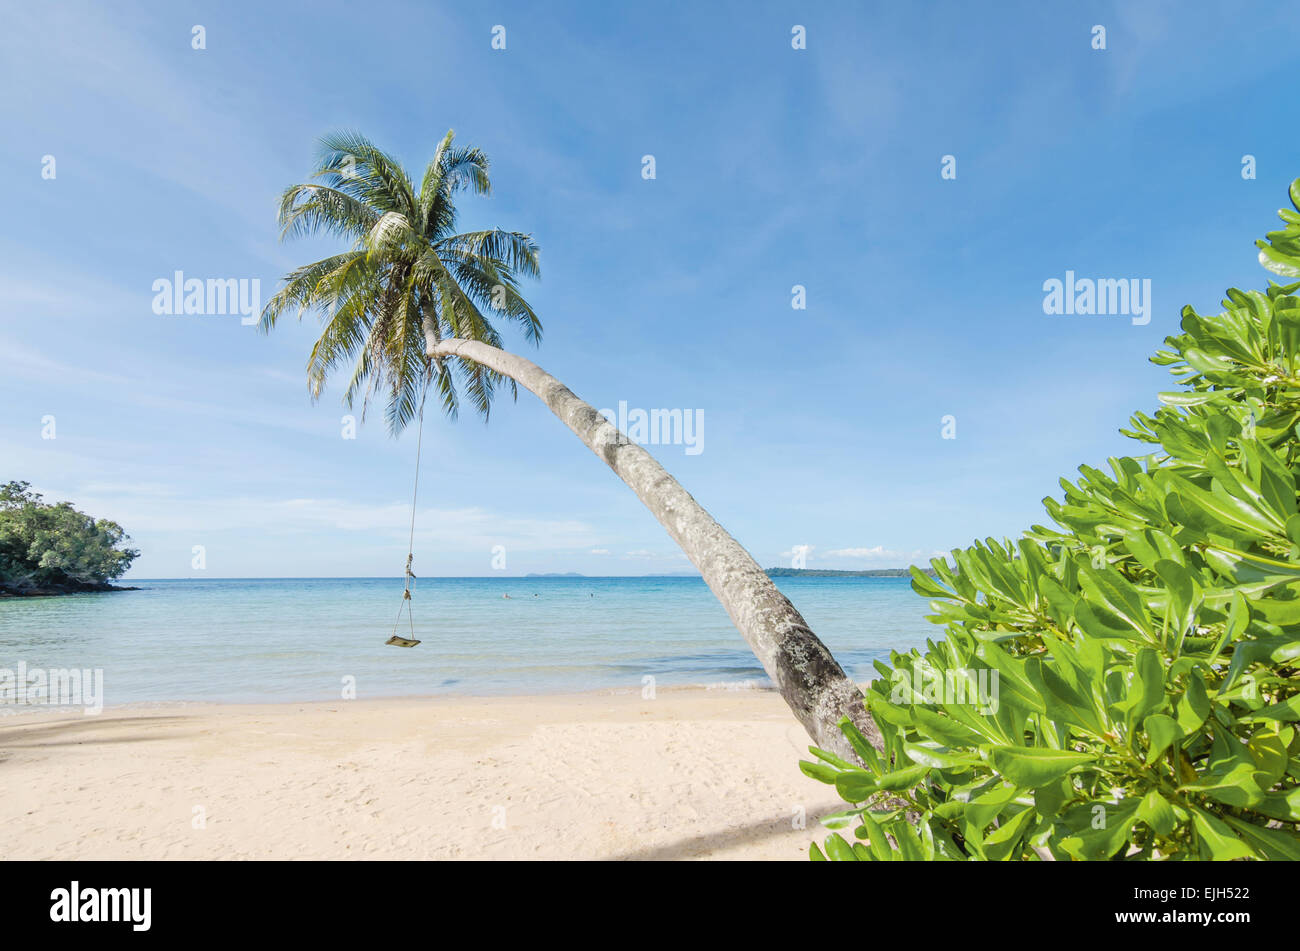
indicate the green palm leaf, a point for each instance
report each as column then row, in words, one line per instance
column 407, row 281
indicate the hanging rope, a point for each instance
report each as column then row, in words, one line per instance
column 410, row 544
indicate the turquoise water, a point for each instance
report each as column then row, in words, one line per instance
column 296, row 639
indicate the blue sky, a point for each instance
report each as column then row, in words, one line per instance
column 774, row 167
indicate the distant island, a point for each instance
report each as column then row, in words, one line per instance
column 828, row 573
column 48, row 549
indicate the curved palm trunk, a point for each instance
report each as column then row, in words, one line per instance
column 808, row 677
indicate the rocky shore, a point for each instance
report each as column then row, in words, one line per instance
column 70, row 587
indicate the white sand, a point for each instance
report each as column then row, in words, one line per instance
column 692, row 774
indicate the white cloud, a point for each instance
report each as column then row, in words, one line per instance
column 28, row 364
column 152, row 489
column 881, row 553
column 465, row 529
column 876, row 552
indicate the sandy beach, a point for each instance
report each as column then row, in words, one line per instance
column 692, row 774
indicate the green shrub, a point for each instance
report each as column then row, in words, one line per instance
column 43, row 545
column 1144, row 653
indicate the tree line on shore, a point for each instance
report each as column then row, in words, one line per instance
column 52, row 548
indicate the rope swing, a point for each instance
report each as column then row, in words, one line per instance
column 411, row 641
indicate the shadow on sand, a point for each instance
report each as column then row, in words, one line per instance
column 701, row 846
column 81, row 731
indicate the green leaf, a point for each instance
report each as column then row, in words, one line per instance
column 1029, row 767
column 1282, row 806
column 1147, row 688
column 1014, row 687
column 880, row 850
column 1276, row 844
column 838, row 850
column 819, row 772
column 901, row 779
column 989, row 804
column 1184, row 596
column 1277, row 262
column 945, row 729
column 1113, row 591
column 1287, row 710
column 1193, row 706
column 1100, row 624
column 910, row 847
column 1269, row 751
column 1063, row 702
column 1162, row 732
column 1188, row 399
column 1224, row 509
column 831, row 758
column 1216, row 839
column 1091, row 843
column 1234, row 787
column 926, row 586
column 1000, row 843
column 860, row 744
column 939, row 758
column 855, row 786
column 1156, row 812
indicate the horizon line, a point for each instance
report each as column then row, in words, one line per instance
column 528, row 577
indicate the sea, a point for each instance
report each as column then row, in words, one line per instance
column 301, row 639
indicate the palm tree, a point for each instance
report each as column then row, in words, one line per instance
column 406, row 304
column 408, row 281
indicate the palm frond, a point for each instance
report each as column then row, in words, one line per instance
column 408, row 280
column 467, row 168
column 517, row 251
column 433, row 211
column 301, row 287
column 309, row 208
column 351, row 163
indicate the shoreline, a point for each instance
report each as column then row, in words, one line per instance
column 62, row 591
column 596, row 693
column 692, row 773
column 9, row 709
